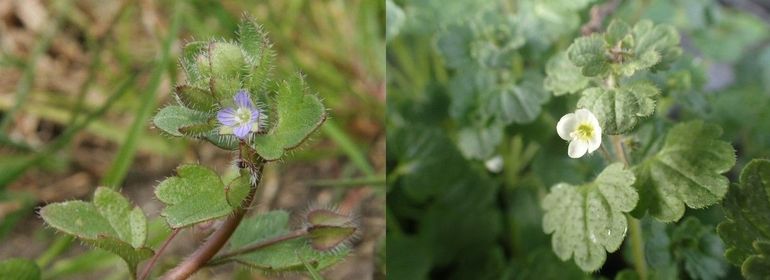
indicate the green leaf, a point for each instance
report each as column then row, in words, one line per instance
column 454, row 44
column 590, row 55
column 479, row 142
column 619, row 110
column 661, row 39
column 699, row 249
column 746, row 230
column 519, row 103
column 588, row 220
column 190, row 55
column 616, row 32
column 19, row 269
column 563, row 76
column 238, row 189
column 197, row 194
column 171, row 118
column 298, row 115
column 257, row 48
column 282, row 256
column 108, row 223
column 687, row 170
column 195, row 98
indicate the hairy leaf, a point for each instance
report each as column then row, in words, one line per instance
column 19, row 269
column 299, row 114
column 108, row 223
column 619, row 110
column 687, row 170
column 589, row 220
column 197, row 194
column 282, row 256
column 563, row 76
column 746, row 231
column 195, row 98
column 259, row 54
column 590, row 55
column 171, row 118
column 661, row 39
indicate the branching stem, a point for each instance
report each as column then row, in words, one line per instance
column 256, row 246
column 148, row 268
column 219, row 238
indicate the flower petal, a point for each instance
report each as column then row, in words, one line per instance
column 255, row 116
column 242, row 100
column 226, row 116
column 242, row 131
column 582, row 115
column 566, row 125
column 577, row 149
column 596, row 140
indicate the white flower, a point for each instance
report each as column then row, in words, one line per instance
column 494, row 164
column 582, row 130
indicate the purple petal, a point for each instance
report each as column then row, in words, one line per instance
column 242, row 100
column 242, row 131
column 226, row 116
column 255, row 116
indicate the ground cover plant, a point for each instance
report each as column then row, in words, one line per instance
column 577, row 139
column 191, row 139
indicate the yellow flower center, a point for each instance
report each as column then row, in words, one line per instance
column 584, row 132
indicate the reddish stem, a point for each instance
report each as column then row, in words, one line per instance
column 218, row 239
column 148, row 268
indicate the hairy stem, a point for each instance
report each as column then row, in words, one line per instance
column 219, row 238
column 257, row 246
column 620, row 153
column 148, row 268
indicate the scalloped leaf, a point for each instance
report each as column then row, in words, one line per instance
column 746, row 230
column 589, row 220
column 197, row 194
column 521, row 103
column 299, row 114
column 19, row 269
column 590, row 55
column 563, row 76
column 171, row 118
column 619, row 110
column 686, row 171
column 282, row 256
column 108, row 223
column 661, row 39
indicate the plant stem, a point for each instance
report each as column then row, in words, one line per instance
column 256, row 246
column 219, row 238
column 619, row 152
column 637, row 246
column 155, row 258
column 635, row 233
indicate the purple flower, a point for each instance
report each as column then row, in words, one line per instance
column 242, row 119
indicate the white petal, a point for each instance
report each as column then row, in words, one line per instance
column 566, row 125
column 583, row 115
column 577, row 149
column 495, row 164
column 595, row 142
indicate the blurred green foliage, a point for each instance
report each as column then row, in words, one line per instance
column 451, row 67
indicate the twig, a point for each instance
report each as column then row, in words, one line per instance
column 218, row 239
column 619, row 152
column 598, row 14
column 256, row 246
column 155, row 258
